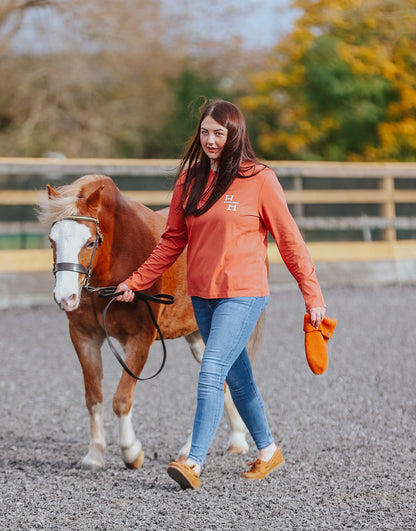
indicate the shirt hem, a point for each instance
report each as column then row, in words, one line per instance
column 228, row 294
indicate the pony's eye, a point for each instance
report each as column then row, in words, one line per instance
column 90, row 245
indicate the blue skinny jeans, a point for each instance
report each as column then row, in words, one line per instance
column 225, row 326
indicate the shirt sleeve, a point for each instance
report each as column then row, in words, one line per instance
column 280, row 223
column 173, row 241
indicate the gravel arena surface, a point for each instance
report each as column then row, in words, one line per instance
column 348, row 436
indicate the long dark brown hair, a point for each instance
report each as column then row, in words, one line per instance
column 196, row 164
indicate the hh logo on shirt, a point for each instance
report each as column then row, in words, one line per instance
column 229, row 200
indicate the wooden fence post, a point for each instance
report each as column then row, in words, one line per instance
column 388, row 208
column 298, row 207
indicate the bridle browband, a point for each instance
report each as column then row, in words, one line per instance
column 110, row 292
column 79, row 268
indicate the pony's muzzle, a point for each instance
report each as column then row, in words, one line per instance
column 67, row 304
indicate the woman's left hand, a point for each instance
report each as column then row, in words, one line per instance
column 317, row 314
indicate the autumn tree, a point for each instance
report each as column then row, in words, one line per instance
column 98, row 78
column 90, row 86
column 341, row 85
column 12, row 15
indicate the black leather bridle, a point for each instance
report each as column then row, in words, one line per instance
column 110, row 292
column 79, row 268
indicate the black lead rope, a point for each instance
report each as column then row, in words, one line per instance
column 161, row 298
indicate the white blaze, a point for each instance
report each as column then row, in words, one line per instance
column 69, row 237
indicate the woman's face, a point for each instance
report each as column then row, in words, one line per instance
column 213, row 137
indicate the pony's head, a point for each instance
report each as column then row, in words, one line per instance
column 75, row 236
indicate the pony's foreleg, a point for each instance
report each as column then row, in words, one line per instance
column 130, row 447
column 89, row 356
column 95, row 456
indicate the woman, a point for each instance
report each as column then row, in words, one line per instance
column 224, row 204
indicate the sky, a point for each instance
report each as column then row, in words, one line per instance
column 266, row 22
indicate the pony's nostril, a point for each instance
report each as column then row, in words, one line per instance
column 68, row 303
column 71, row 302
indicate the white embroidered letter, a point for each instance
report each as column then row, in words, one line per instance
column 229, row 200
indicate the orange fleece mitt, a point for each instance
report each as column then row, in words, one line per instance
column 316, row 342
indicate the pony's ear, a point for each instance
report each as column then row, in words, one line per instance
column 94, row 199
column 51, row 191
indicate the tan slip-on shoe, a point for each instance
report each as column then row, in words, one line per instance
column 184, row 474
column 260, row 469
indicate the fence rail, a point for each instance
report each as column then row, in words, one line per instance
column 134, row 167
column 299, row 195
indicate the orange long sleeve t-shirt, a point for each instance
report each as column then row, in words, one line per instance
column 227, row 245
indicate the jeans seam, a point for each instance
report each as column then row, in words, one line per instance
column 252, row 301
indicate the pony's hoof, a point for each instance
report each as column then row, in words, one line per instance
column 237, row 450
column 92, row 463
column 137, row 463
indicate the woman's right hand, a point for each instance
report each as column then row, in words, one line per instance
column 127, row 295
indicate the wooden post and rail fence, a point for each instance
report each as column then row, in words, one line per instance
column 298, row 176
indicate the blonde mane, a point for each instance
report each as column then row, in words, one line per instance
column 64, row 204
column 55, row 208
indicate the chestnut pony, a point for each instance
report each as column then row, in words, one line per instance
column 100, row 236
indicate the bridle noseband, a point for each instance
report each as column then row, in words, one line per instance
column 79, row 268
